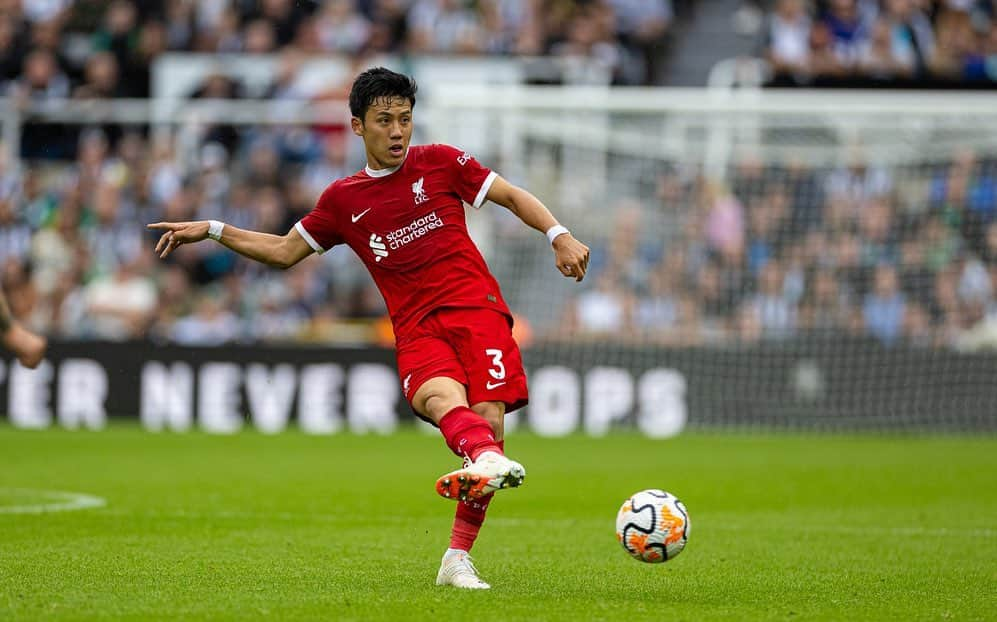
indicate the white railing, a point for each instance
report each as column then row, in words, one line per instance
column 707, row 125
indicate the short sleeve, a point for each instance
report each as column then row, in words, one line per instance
column 319, row 228
column 470, row 179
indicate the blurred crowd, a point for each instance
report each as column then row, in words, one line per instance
column 77, row 261
column 868, row 42
column 103, row 48
column 74, row 258
column 900, row 255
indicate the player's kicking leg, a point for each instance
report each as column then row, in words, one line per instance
column 457, row 568
column 469, row 434
column 27, row 346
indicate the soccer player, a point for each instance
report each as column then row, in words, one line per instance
column 403, row 215
column 27, row 346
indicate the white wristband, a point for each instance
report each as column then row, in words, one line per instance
column 215, row 229
column 555, row 231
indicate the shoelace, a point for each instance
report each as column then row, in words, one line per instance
column 466, row 566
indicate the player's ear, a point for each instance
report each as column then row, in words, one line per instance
column 357, row 126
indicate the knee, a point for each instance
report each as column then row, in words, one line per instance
column 438, row 401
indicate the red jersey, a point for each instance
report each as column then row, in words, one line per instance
column 407, row 225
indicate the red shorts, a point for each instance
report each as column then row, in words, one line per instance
column 474, row 347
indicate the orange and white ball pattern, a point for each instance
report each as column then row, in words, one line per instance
column 653, row 526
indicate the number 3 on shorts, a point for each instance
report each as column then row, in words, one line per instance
column 498, row 371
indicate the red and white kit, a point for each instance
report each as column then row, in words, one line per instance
column 407, row 225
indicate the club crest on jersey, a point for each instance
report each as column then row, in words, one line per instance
column 420, row 194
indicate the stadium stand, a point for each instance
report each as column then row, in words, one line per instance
column 78, row 264
column 865, row 43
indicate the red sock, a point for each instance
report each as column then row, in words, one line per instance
column 470, row 516
column 467, row 433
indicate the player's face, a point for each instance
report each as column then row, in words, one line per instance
column 386, row 130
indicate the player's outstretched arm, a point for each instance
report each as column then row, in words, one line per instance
column 570, row 255
column 280, row 251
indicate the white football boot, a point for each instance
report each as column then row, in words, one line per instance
column 458, row 570
column 491, row 472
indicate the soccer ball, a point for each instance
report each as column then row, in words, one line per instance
column 653, row 526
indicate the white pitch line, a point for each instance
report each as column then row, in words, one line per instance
column 52, row 501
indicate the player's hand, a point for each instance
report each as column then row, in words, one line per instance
column 178, row 233
column 571, row 256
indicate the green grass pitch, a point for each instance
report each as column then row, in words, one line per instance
column 349, row 528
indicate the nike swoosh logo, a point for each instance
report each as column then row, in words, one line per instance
column 356, row 217
column 493, row 385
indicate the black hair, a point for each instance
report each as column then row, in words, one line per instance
column 379, row 83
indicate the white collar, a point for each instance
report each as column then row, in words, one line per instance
column 384, row 172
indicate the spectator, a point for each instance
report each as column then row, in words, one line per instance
column 332, row 165
column 825, row 61
column 911, row 34
column 284, row 17
column 119, row 31
column 917, row 326
column 121, row 306
column 152, row 41
column 444, row 26
column 877, row 228
column 604, row 310
column 589, row 38
column 41, row 79
column 341, row 27
column 763, row 226
column 775, row 315
column 714, row 301
column 259, row 37
column 826, row 307
column 787, row 40
column 955, row 46
column 859, row 182
column 389, row 24
column 656, row 313
column 511, row 27
column 877, row 57
column 226, row 37
column 180, row 34
column 848, row 28
column 112, row 240
column 15, row 234
column 885, row 306
column 101, row 78
column 641, row 26
column 279, row 317
column 724, row 221
column 748, row 324
column 211, row 324
column 916, row 277
column 45, row 10
column 12, row 48
column 209, row 14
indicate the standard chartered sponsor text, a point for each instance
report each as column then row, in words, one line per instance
column 414, row 230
